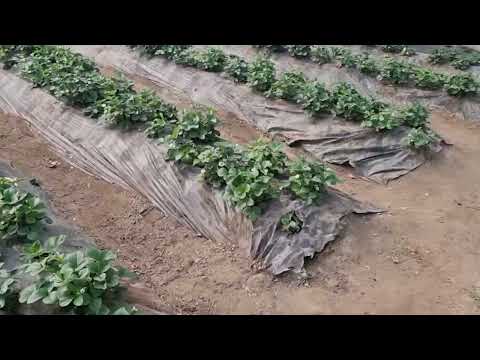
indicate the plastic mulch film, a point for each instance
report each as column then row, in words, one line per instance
column 381, row 156
column 136, row 163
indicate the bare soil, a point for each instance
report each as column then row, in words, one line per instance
column 421, row 256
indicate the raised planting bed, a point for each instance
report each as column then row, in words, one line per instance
column 380, row 155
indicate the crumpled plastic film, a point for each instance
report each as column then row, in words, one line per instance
column 381, row 156
column 133, row 161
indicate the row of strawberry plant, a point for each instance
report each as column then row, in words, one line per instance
column 344, row 100
column 81, row 282
column 249, row 176
column 388, row 70
column 461, row 59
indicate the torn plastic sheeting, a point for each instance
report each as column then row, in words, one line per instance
column 133, row 161
column 381, row 156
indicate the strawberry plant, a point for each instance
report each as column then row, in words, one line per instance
column 21, row 212
column 157, row 127
column 251, row 181
column 367, row 65
column 288, row 86
column 314, row 98
column 460, row 59
column 11, row 55
column 395, row 49
column 211, row 59
column 300, row 51
column 346, row 58
column 6, row 286
column 237, row 68
column 308, row 180
column 420, row 138
column 442, row 55
column 266, row 157
column 396, row 72
column 66, row 75
column 291, row 223
column 427, row 79
column 321, row 55
column 171, row 52
column 398, row 49
column 247, row 188
column 128, row 108
column 272, row 48
column 189, row 57
column 415, row 115
column 461, row 85
column 261, row 74
column 249, row 176
column 215, row 162
column 386, row 119
column 80, row 282
column 348, row 102
column 192, row 132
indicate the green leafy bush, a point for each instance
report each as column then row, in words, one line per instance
column 171, row 52
column 395, row 49
column 249, row 176
column 237, row 68
column 321, row 55
column 261, row 74
column 21, row 212
column 11, row 55
column 386, row 119
column 346, row 58
column 211, row 59
column 421, row 138
column 349, row 103
column 126, row 108
column 427, row 79
column 68, row 76
column 398, row 49
column 415, row 115
column 216, row 161
column 81, row 282
column 189, row 57
column 266, row 157
column 396, row 72
column 193, row 130
column 248, row 186
column 6, row 286
column 460, row 59
column 272, row 48
column 442, row 55
column 299, row 51
column 308, row 179
column 288, row 86
column 291, row 223
column 461, row 85
column 367, row 65
column 315, row 98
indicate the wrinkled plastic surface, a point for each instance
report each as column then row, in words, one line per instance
column 381, row 156
column 134, row 162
